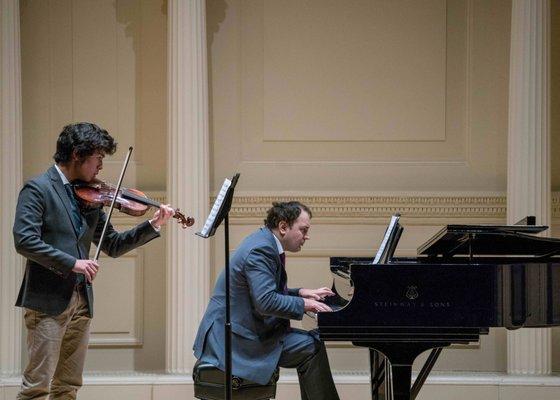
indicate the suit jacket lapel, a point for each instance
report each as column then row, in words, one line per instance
column 59, row 189
column 270, row 236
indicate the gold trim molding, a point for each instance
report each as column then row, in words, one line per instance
column 340, row 207
column 379, row 206
column 555, row 204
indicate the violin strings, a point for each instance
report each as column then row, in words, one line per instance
column 128, row 195
column 132, row 196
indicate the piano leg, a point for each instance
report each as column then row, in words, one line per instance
column 400, row 356
column 377, row 362
column 401, row 378
column 388, row 380
column 424, row 372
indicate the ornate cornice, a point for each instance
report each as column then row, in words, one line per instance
column 470, row 206
column 555, row 204
column 380, row 206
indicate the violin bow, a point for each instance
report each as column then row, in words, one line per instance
column 112, row 207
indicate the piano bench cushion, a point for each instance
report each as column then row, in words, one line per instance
column 209, row 385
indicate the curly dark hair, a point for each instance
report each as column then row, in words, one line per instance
column 288, row 211
column 85, row 138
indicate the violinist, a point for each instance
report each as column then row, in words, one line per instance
column 54, row 233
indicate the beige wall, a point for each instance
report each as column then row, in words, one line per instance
column 326, row 100
column 102, row 61
column 360, row 96
column 105, row 62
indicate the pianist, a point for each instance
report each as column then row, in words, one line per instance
column 262, row 305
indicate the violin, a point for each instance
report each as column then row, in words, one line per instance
column 133, row 202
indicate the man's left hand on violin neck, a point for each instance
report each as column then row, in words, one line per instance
column 161, row 216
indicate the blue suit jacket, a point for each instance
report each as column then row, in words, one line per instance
column 260, row 312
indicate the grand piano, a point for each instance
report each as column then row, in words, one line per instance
column 465, row 280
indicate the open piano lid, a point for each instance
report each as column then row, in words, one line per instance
column 490, row 240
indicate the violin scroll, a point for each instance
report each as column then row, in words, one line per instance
column 181, row 219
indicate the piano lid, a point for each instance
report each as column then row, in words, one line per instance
column 487, row 240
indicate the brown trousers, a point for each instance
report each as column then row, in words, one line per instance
column 57, row 347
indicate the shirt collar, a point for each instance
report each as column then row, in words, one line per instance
column 62, row 176
column 278, row 244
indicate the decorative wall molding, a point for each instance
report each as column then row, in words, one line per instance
column 134, row 336
column 555, row 204
column 138, row 378
column 444, row 206
column 463, row 206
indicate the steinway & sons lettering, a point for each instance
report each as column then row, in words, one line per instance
column 412, row 304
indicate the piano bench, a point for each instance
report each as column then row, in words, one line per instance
column 209, row 385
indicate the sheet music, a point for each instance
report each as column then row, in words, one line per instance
column 390, row 229
column 215, row 208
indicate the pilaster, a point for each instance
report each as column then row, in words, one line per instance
column 188, row 265
column 529, row 191
column 10, row 183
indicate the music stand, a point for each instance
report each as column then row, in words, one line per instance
column 219, row 213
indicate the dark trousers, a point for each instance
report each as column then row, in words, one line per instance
column 304, row 351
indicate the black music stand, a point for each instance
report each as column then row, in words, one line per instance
column 219, row 213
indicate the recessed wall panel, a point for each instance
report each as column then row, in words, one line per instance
column 119, row 308
column 354, row 71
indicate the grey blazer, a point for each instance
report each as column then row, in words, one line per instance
column 260, row 312
column 45, row 235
